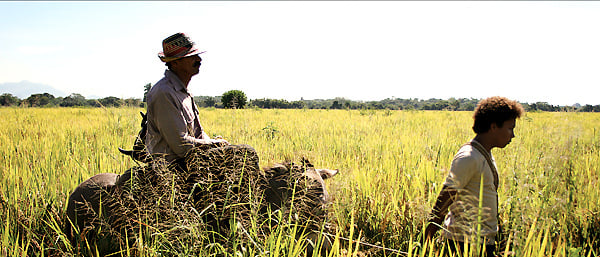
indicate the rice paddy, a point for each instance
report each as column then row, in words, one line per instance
column 391, row 163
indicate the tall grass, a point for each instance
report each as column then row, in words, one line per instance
column 392, row 165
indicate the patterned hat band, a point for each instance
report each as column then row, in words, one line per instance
column 177, row 46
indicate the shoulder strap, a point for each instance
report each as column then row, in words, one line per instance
column 488, row 158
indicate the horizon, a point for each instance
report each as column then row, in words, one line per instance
column 302, row 99
column 357, row 50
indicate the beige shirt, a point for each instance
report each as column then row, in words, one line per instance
column 173, row 124
column 468, row 168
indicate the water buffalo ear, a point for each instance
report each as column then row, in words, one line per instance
column 327, row 173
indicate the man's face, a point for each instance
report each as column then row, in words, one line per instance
column 190, row 64
column 504, row 134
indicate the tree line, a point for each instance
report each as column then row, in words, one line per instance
column 452, row 104
column 237, row 99
column 49, row 100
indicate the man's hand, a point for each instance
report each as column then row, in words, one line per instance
column 440, row 209
column 219, row 142
column 210, row 143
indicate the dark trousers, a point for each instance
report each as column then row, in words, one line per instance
column 457, row 248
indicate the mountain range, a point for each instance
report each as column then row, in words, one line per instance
column 24, row 89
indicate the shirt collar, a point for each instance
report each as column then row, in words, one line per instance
column 175, row 81
column 473, row 141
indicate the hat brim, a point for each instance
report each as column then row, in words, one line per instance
column 164, row 58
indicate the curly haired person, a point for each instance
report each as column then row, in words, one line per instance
column 473, row 174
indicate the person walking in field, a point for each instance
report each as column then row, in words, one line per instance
column 173, row 123
column 473, row 174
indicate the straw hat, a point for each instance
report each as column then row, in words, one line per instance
column 176, row 47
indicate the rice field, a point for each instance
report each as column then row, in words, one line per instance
column 391, row 163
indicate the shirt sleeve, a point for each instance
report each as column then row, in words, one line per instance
column 464, row 167
column 172, row 124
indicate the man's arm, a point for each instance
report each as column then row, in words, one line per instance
column 464, row 167
column 206, row 140
column 440, row 209
column 172, row 125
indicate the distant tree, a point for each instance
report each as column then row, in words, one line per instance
column 453, row 104
column 336, row 105
column 93, row 103
column 467, row 104
column 7, row 99
column 111, row 101
column 209, row 102
column 73, row 100
column 266, row 103
column 442, row 105
column 543, row 106
column 235, row 99
column 298, row 104
column 39, row 99
column 347, row 105
column 133, row 102
column 586, row 108
column 146, row 90
column 318, row 104
column 261, row 103
column 56, row 101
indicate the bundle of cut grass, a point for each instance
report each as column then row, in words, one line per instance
column 215, row 199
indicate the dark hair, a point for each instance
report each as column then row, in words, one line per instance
column 497, row 110
column 168, row 64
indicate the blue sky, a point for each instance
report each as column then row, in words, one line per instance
column 360, row 50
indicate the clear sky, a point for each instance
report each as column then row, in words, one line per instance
column 359, row 50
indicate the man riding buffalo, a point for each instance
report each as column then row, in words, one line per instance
column 173, row 123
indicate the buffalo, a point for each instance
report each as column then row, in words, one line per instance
column 218, row 189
